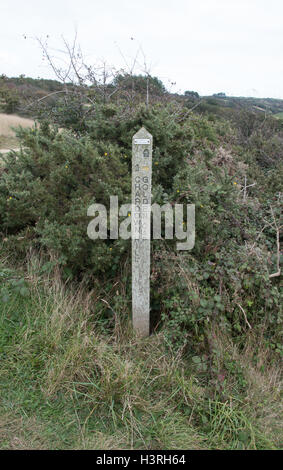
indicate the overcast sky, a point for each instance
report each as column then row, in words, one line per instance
column 210, row 46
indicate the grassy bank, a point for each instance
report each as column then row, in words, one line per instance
column 67, row 385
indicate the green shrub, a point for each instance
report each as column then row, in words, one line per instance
column 45, row 192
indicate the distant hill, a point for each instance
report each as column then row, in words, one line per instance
column 18, row 93
column 262, row 105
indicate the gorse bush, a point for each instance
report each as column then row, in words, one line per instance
column 46, row 188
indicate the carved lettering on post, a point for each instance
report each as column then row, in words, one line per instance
column 141, row 213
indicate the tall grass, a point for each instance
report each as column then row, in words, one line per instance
column 66, row 384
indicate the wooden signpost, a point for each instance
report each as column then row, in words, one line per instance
column 141, row 215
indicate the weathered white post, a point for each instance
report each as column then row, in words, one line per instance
column 141, row 213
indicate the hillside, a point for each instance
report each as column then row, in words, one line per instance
column 233, row 103
column 19, row 95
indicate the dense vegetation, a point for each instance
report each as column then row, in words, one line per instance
column 216, row 317
column 21, row 94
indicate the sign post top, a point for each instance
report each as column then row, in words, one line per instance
column 142, row 134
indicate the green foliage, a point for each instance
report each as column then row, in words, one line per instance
column 139, row 84
column 46, row 190
column 11, row 284
column 191, row 94
column 9, row 99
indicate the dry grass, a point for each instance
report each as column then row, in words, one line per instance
column 7, row 121
column 8, row 140
column 19, row 433
column 262, row 399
